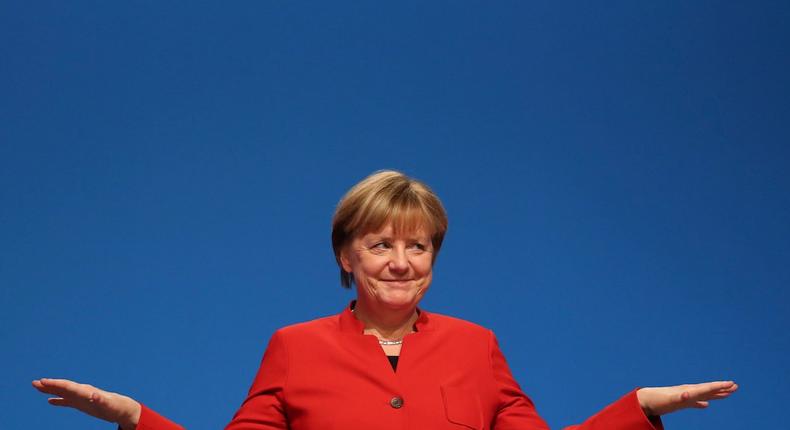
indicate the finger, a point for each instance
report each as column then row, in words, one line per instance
column 700, row 405
column 59, row 401
column 65, row 384
column 700, row 391
column 723, row 385
column 38, row 385
column 63, row 392
column 47, row 389
column 57, row 384
column 712, row 396
column 711, row 386
column 65, row 388
column 729, row 390
column 721, row 395
column 56, row 381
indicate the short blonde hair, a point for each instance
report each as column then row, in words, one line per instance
column 386, row 197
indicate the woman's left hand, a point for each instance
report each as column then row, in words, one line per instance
column 664, row 400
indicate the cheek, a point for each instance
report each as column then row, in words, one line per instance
column 370, row 266
column 424, row 267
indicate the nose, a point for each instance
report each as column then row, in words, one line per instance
column 399, row 261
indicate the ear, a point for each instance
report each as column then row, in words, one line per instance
column 345, row 263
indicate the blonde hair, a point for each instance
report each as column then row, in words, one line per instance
column 386, row 197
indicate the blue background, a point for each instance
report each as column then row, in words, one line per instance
column 616, row 177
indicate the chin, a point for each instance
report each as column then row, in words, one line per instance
column 399, row 301
column 393, row 298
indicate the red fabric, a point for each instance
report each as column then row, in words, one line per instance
column 326, row 374
column 150, row 420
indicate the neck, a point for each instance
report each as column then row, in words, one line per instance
column 386, row 324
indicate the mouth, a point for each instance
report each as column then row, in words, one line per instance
column 397, row 282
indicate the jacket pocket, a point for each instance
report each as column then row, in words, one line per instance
column 462, row 406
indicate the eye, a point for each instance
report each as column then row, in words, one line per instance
column 380, row 245
column 419, row 246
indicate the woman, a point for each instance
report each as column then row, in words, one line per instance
column 384, row 363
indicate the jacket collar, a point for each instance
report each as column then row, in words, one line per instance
column 349, row 323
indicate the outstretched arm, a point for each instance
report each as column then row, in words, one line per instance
column 640, row 409
column 112, row 407
column 657, row 401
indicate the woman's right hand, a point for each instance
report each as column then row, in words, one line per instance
column 113, row 407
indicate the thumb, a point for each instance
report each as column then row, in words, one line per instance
column 700, row 404
column 59, row 401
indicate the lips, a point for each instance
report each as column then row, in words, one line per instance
column 397, row 282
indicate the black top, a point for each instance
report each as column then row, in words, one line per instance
column 393, row 361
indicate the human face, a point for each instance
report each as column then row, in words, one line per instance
column 390, row 271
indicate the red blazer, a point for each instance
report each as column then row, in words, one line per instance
column 326, row 375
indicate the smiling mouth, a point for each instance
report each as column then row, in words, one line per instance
column 399, row 282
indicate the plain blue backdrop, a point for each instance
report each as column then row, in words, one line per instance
column 616, row 177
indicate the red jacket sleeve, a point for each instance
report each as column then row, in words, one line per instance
column 264, row 407
column 150, row 420
column 625, row 414
column 517, row 412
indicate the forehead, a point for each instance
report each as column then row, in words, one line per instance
column 390, row 229
column 396, row 219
